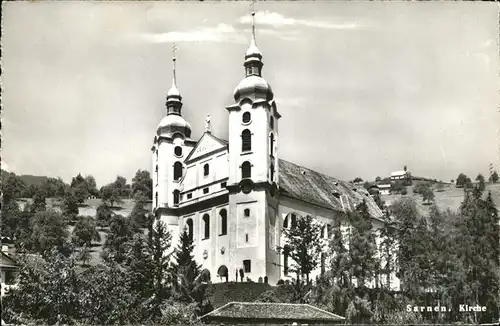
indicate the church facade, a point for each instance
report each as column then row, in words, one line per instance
column 234, row 198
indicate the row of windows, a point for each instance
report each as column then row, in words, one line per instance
column 178, row 170
column 206, row 224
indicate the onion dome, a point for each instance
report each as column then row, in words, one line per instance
column 173, row 123
column 253, row 84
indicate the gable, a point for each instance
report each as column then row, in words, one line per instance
column 205, row 146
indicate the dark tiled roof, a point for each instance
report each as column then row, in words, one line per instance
column 272, row 311
column 310, row 186
column 321, row 189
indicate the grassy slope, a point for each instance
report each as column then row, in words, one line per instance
column 450, row 198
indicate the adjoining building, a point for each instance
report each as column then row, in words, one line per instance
column 384, row 189
column 8, row 270
column 234, row 198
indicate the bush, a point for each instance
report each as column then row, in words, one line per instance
column 280, row 282
column 268, row 296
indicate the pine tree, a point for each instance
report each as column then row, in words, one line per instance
column 362, row 245
column 387, row 247
column 159, row 247
column 340, row 259
column 304, row 241
column 184, row 269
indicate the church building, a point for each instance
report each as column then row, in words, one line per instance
column 235, row 197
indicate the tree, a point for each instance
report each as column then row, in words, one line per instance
column 480, row 179
column 70, row 205
column 184, row 269
column 305, row 245
column 461, row 180
column 47, row 289
column 49, row 231
column 121, row 230
column 362, row 245
column 12, row 186
column 159, row 246
column 494, row 177
column 91, row 185
column 111, row 195
column 428, row 195
column 378, row 179
column 103, row 215
column 357, row 180
column 85, row 232
column 142, row 184
column 367, row 185
column 139, row 214
column 38, row 201
column 79, row 187
column 388, row 248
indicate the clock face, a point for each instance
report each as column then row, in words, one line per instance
column 205, row 254
column 246, row 186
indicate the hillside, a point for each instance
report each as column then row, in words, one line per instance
column 450, row 198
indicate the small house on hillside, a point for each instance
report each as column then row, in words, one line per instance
column 259, row 313
column 8, row 270
column 384, row 189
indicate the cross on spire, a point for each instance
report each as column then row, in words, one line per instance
column 174, row 49
column 252, row 5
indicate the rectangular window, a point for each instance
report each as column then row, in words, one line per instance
column 247, row 264
column 205, row 190
column 189, row 196
column 246, row 237
column 223, row 185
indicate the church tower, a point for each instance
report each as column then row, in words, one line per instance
column 171, row 145
column 253, row 171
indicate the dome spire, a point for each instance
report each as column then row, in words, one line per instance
column 174, row 97
column 253, row 57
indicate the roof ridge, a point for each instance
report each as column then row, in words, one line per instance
column 322, row 310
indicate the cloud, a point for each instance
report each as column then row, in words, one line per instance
column 283, row 35
column 220, row 33
column 277, row 20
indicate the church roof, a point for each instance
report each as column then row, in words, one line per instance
column 317, row 188
column 278, row 312
column 307, row 185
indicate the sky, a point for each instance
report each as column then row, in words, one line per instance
column 363, row 88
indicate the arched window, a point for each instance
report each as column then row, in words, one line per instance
column 294, row 221
column 176, row 197
column 206, row 169
column 271, row 122
column 189, row 224
column 206, row 226
column 246, row 140
column 177, row 170
column 178, row 151
column 285, row 222
column 246, row 117
column 247, row 212
column 271, row 144
column 223, row 221
column 246, row 170
column 271, row 169
column 286, row 253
